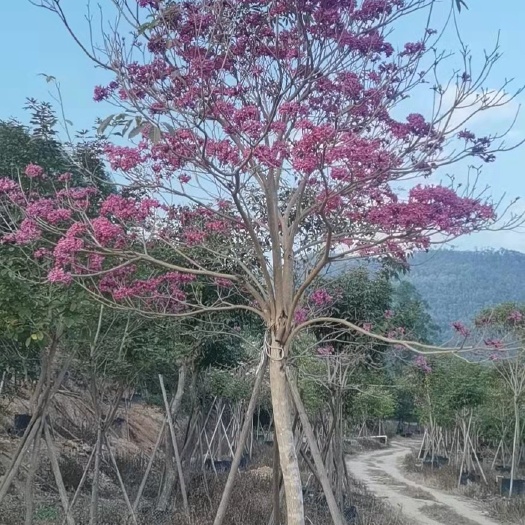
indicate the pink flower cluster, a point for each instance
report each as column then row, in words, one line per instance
column 46, row 209
column 105, row 231
column 165, row 291
column 223, row 283
column 33, row 171
column 461, row 329
column 431, row 208
column 497, row 344
column 7, row 185
column 28, row 232
column 301, row 315
column 421, row 363
column 515, row 316
column 123, row 158
column 58, row 275
column 128, row 209
column 325, row 351
column 320, row 298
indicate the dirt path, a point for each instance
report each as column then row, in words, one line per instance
column 380, row 470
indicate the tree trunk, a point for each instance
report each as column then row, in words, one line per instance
column 335, row 511
column 30, row 479
column 282, row 414
column 276, row 485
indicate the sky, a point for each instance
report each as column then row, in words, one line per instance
column 34, row 42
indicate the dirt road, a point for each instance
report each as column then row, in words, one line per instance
column 381, row 471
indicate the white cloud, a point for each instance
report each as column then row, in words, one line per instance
column 484, row 112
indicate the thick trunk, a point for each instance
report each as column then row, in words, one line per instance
column 282, row 413
column 339, row 453
column 276, row 485
column 322, row 475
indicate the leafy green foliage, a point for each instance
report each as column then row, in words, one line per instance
column 454, row 385
column 228, row 385
column 411, row 312
column 39, row 144
column 375, row 402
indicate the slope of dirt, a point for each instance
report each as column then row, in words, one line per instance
column 380, row 470
column 135, row 428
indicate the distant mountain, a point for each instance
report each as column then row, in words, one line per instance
column 458, row 284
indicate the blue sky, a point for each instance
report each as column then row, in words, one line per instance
column 34, row 41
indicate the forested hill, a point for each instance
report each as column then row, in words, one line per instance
column 457, row 284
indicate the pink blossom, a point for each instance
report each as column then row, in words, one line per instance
column 149, row 3
column 105, row 231
column 389, row 314
column 461, row 329
column 123, row 158
column 367, row 327
column 65, row 177
column 95, row 262
column 58, row 216
column 421, row 362
column 33, row 171
column 325, row 350
column 40, row 253
column 515, row 316
column 320, row 297
column 223, row 283
column 101, row 93
column 7, row 185
column 497, row 344
column 194, row 238
column 27, row 232
column 301, row 315
column 413, row 48
column 58, row 275
column 467, row 135
column 67, row 248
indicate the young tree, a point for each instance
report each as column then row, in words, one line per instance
column 506, row 326
column 270, row 143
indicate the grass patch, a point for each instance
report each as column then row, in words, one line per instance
column 251, row 502
column 507, row 511
column 418, row 493
column 445, row 515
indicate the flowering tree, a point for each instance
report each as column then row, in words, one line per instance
column 270, row 140
column 505, row 324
